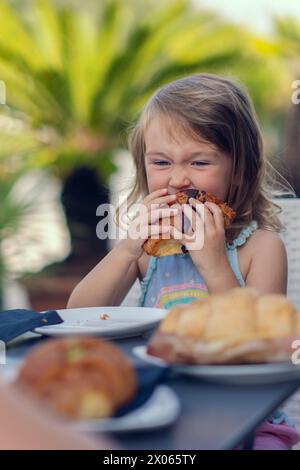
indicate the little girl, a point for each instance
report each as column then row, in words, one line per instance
column 198, row 132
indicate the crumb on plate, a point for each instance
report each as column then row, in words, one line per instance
column 104, row 316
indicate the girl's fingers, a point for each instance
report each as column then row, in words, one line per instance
column 177, row 219
column 166, row 200
column 217, row 213
column 145, row 229
column 153, row 230
column 175, row 233
column 198, row 206
column 159, row 197
column 205, row 214
column 146, row 218
column 194, row 237
column 157, row 214
column 193, row 241
column 194, row 219
column 155, row 194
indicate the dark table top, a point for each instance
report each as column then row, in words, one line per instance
column 213, row 416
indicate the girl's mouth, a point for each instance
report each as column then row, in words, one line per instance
column 191, row 192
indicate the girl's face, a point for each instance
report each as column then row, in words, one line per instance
column 184, row 163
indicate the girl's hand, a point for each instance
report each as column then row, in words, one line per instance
column 205, row 238
column 154, row 207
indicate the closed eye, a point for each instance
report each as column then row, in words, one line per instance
column 165, row 163
column 161, row 162
column 199, row 163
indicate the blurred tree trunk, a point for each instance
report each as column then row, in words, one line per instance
column 292, row 147
column 82, row 193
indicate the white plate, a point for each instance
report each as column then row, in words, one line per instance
column 160, row 410
column 121, row 321
column 231, row 373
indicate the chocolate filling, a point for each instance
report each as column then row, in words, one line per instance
column 191, row 193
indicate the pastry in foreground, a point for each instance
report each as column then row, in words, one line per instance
column 238, row 326
column 160, row 246
column 79, row 377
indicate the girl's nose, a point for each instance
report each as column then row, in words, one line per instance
column 179, row 178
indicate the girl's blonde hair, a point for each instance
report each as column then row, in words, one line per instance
column 219, row 110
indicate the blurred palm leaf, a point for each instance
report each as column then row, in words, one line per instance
column 81, row 77
column 288, row 29
column 13, row 208
column 12, row 214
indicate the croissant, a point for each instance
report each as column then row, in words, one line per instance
column 160, row 246
column 238, row 326
column 81, row 378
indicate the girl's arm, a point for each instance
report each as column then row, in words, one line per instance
column 268, row 268
column 267, row 271
column 109, row 281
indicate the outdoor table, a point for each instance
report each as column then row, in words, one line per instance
column 212, row 416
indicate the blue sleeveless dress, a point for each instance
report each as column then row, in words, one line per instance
column 172, row 280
